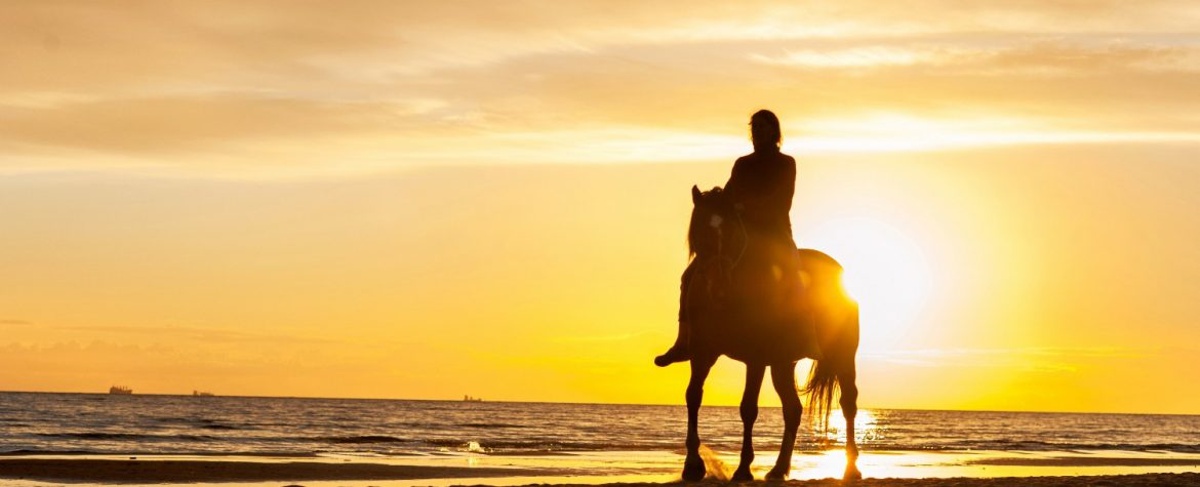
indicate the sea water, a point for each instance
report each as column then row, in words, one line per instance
column 593, row 439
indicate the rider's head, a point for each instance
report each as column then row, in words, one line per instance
column 764, row 131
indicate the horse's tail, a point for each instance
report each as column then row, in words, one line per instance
column 821, row 388
column 826, row 375
column 838, row 323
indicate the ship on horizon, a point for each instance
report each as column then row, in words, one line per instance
column 120, row 391
column 196, row 393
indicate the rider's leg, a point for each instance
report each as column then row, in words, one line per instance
column 810, row 340
column 807, row 320
column 680, row 351
column 797, row 309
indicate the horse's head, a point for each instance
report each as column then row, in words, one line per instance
column 716, row 229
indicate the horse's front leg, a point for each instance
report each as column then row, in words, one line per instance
column 783, row 377
column 749, row 410
column 693, row 465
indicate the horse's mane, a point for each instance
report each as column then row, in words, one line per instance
column 692, row 235
column 696, row 226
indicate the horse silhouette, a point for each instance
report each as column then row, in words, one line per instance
column 736, row 309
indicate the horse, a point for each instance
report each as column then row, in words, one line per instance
column 735, row 308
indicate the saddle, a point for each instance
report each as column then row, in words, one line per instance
column 766, row 283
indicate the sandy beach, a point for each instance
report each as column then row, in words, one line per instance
column 137, row 471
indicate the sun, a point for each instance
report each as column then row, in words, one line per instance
column 885, row 271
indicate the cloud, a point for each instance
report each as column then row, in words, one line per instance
column 1028, row 359
column 618, row 337
column 142, row 46
column 993, row 55
column 186, row 123
column 246, row 87
column 15, row 322
column 200, row 334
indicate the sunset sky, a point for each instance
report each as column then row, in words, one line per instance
column 430, row 199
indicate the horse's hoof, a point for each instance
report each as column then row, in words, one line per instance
column 742, row 474
column 693, row 469
column 777, row 474
column 852, row 473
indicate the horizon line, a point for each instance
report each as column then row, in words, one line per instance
column 506, row 401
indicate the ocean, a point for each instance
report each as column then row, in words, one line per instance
column 649, row 439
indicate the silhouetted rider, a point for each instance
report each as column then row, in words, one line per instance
column 761, row 186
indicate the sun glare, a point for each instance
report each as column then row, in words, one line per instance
column 885, row 271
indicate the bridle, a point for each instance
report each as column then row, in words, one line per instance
column 718, row 266
column 726, row 263
column 717, row 223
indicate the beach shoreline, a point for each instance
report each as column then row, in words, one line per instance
column 1133, row 480
column 882, row 469
column 137, row 470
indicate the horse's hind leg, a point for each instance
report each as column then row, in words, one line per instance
column 783, row 377
column 849, row 402
column 749, row 410
column 693, row 465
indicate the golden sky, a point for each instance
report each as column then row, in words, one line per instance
column 415, row 200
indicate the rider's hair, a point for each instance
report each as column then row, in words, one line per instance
column 764, row 131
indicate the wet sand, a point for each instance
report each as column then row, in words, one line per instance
column 184, row 471
column 1143, row 480
column 299, row 472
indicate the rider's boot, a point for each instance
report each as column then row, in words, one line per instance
column 680, row 351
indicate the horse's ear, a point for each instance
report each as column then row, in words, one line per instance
column 695, row 195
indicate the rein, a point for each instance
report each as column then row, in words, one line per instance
column 719, row 264
column 733, row 262
column 725, row 265
column 745, row 240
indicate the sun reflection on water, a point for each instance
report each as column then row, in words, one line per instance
column 866, row 428
column 829, row 460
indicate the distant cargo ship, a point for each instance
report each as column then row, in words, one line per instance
column 120, row 391
column 472, row 399
column 201, row 394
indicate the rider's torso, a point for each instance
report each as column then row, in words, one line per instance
column 765, row 182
